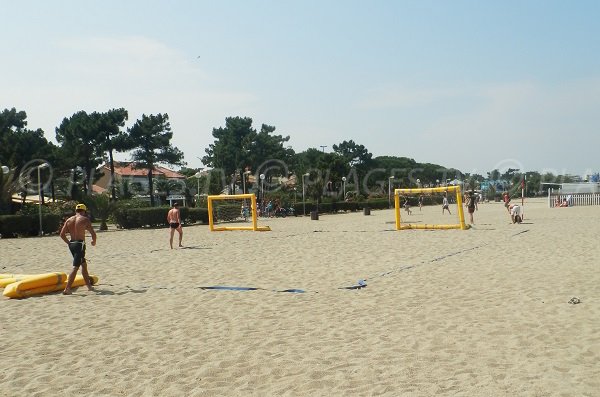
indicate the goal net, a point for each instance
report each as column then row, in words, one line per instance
column 400, row 201
column 233, row 212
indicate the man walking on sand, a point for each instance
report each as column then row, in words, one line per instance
column 174, row 220
column 76, row 227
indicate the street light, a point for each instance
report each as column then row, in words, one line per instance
column 262, row 186
column 344, row 186
column 304, row 194
column 390, row 191
column 244, row 180
column 197, row 175
column 39, row 167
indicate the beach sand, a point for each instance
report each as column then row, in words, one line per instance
column 482, row 312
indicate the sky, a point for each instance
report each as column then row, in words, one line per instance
column 474, row 85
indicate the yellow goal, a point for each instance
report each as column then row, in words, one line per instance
column 398, row 204
column 233, row 210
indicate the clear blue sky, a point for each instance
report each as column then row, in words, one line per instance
column 475, row 85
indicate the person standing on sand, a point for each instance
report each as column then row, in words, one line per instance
column 471, row 205
column 76, row 227
column 506, row 199
column 445, row 205
column 174, row 220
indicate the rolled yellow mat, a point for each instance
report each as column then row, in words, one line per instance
column 5, row 281
column 18, row 289
column 78, row 282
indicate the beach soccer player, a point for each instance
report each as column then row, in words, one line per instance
column 76, row 226
column 471, row 205
column 445, row 205
column 515, row 213
column 506, row 199
column 407, row 206
column 174, row 220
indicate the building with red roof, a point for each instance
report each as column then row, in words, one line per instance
column 125, row 171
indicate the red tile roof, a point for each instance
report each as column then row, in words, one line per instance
column 126, row 169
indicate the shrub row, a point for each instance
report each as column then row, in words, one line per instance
column 28, row 225
column 130, row 218
column 336, row 206
column 374, row 204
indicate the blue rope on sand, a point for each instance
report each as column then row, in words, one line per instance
column 230, row 288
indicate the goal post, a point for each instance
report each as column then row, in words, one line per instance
column 240, row 212
column 461, row 215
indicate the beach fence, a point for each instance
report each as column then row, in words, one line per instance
column 573, row 199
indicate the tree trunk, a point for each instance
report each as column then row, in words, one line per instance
column 74, row 185
column 112, row 175
column 150, row 187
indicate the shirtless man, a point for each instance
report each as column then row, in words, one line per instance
column 174, row 220
column 76, row 227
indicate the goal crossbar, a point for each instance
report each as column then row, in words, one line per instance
column 250, row 197
column 461, row 215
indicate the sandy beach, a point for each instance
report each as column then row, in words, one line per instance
column 482, row 312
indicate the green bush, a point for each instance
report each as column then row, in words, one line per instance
column 194, row 215
column 337, row 206
column 28, row 225
column 131, row 218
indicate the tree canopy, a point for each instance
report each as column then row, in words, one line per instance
column 151, row 136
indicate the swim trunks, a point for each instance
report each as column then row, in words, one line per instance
column 77, row 248
column 174, row 225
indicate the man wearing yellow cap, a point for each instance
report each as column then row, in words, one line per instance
column 76, row 227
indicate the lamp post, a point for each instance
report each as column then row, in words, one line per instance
column 197, row 175
column 390, row 191
column 304, row 194
column 245, row 175
column 344, row 186
column 40, row 167
column 262, row 186
column 437, row 183
column 295, row 194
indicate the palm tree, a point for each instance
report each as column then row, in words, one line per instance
column 101, row 206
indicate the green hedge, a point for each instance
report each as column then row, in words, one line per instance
column 28, row 225
column 337, row 206
column 131, row 218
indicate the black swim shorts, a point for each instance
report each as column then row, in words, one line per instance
column 174, row 225
column 77, row 248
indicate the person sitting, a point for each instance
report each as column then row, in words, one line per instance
column 564, row 203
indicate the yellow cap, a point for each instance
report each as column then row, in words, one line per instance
column 80, row 207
